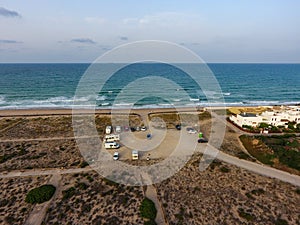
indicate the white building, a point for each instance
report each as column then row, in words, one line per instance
column 247, row 119
column 276, row 118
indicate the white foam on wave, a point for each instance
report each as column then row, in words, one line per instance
column 177, row 99
column 194, row 99
column 2, row 100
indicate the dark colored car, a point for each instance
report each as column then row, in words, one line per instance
column 178, row 127
column 202, row 140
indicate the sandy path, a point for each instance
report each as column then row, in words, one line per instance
column 42, row 172
column 152, row 195
column 43, row 139
column 38, row 213
column 256, row 168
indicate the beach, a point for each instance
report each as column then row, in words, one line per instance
column 39, row 147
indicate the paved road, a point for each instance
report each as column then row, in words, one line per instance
column 256, row 168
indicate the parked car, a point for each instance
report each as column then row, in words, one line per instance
column 116, row 156
column 118, row 129
column 144, row 128
column 137, row 128
column 108, row 130
column 135, row 155
column 178, row 127
column 149, row 136
column 111, row 145
column 192, row 131
column 202, row 140
column 126, row 128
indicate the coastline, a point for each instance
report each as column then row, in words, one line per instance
column 59, row 111
column 63, row 111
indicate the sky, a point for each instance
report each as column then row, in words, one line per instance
column 263, row 31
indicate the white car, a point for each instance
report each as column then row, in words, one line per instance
column 135, row 155
column 116, row 156
column 192, row 131
column 143, row 128
column 108, row 130
column 118, row 129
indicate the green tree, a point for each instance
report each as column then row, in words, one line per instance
column 147, row 209
column 40, row 194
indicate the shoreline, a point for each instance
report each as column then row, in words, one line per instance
column 60, row 111
column 64, row 111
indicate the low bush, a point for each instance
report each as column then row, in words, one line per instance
column 40, row 194
column 147, row 209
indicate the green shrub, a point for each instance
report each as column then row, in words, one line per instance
column 68, row 193
column 147, row 209
column 40, row 194
column 263, row 125
column 83, row 164
column 150, row 222
column 280, row 221
column 245, row 215
column 82, row 186
column 224, row 169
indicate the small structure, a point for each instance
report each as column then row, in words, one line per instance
column 246, row 119
column 279, row 116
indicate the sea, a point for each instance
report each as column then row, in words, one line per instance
column 32, row 86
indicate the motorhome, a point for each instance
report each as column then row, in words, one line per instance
column 111, row 145
column 135, row 155
column 111, row 138
column 108, row 130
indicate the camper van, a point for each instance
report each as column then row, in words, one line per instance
column 118, row 129
column 135, row 155
column 108, row 130
column 111, row 145
column 111, row 138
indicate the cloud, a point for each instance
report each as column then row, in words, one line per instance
column 83, row 40
column 97, row 20
column 9, row 42
column 123, row 38
column 167, row 19
column 8, row 13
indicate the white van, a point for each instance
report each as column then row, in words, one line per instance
column 135, row 155
column 111, row 145
column 118, row 129
column 111, row 138
column 108, row 130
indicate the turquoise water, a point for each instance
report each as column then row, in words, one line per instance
column 54, row 85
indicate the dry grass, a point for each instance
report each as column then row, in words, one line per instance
column 39, row 154
column 216, row 195
column 13, row 208
column 87, row 198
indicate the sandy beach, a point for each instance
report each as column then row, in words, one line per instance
column 39, row 146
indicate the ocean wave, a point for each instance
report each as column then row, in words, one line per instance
column 87, row 102
column 2, row 100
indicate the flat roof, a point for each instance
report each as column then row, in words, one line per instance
column 248, row 115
